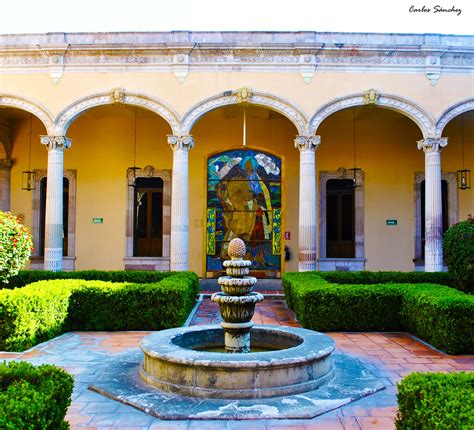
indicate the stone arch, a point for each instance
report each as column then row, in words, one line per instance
column 452, row 112
column 67, row 116
column 406, row 107
column 280, row 105
column 34, row 108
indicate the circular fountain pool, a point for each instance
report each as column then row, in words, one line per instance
column 299, row 361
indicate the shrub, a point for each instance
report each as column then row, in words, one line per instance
column 34, row 397
column 366, row 277
column 440, row 315
column 26, row 277
column 430, row 401
column 15, row 246
column 45, row 309
column 458, row 246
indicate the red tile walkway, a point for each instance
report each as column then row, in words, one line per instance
column 390, row 356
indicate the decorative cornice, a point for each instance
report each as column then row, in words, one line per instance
column 183, row 52
column 307, row 143
column 184, row 142
column 55, row 142
column 432, row 144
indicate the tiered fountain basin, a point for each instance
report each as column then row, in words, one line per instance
column 179, row 361
column 236, row 370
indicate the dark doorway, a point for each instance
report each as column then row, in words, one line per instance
column 43, row 188
column 148, row 217
column 340, row 218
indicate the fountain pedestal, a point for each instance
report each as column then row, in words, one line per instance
column 236, row 301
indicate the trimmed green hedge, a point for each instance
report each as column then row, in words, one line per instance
column 442, row 316
column 430, row 401
column 367, row 278
column 44, row 309
column 34, row 397
column 26, row 277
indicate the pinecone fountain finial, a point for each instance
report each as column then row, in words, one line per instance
column 237, row 301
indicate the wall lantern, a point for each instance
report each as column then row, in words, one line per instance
column 464, row 175
column 28, row 180
column 355, row 170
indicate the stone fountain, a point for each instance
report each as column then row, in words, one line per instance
column 235, row 370
column 237, row 301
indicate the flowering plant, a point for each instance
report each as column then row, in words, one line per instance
column 15, row 246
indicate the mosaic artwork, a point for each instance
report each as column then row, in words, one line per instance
column 244, row 200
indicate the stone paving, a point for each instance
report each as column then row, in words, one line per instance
column 390, row 356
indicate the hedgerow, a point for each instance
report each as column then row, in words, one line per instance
column 438, row 314
column 44, row 309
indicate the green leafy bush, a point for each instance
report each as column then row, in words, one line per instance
column 366, row 277
column 440, row 315
column 431, row 401
column 458, row 246
column 15, row 246
column 34, row 397
column 26, row 277
column 45, row 309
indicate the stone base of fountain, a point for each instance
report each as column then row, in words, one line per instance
column 179, row 361
column 121, row 381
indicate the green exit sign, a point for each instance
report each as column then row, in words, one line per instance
column 97, row 220
column 391, row 222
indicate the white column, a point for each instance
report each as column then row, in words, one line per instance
column 5, row 168
column 307, row 146
column 179, row 201
column 53, row 249
column 433, row 204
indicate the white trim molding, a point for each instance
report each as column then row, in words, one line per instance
column 389, row 101
column 35, row 108
column 231, row 97
column 452, row 112
column 117, row 95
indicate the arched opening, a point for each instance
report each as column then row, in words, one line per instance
column 367, row 223
column 459, row 155
column 113, row 228
column 254, row 205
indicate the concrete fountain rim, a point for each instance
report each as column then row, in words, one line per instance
column 314, row 345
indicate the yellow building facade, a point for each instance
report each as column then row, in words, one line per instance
column 173, row 143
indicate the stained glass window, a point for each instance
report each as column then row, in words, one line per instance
column 244, row 200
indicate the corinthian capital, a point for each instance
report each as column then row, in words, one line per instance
column 432, row 144
column 55, row 142
column 307, row 143
column 181, row 142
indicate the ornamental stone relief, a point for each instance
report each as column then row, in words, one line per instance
column 36, row 109
column 451, row 113
column 407, row 108
column 116, row 96
column 297, row 117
